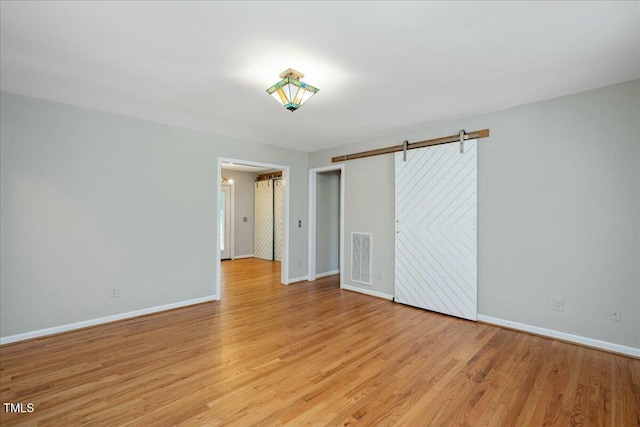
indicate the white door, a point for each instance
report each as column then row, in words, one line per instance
column 278, row 197
column 225, row 221
column 436, row 239
column 263, row 217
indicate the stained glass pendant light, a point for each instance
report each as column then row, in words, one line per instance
column 290, row 91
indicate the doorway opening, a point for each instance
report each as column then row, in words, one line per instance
column 283, row 213
column 326, row 211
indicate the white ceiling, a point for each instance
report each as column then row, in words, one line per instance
column 381, row 66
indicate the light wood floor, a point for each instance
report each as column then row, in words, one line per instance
column 310, row 353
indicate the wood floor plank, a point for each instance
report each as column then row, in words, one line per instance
column 311, row 354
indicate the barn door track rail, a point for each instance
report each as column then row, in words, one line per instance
column 459, row 137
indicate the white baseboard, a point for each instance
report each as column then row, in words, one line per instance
column 589, row 342
column 367, row 292
column 243, row 256
column 108, row 319
column 297, row 279
column 327, row 273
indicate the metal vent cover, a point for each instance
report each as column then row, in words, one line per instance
column 361, row 258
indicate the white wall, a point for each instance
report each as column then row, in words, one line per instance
column 558, row 211
column 93, row 200
column 244, row 201
column 327, row 222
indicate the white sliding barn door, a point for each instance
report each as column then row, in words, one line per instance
column 436, row 239
column 263, row 227
column 268, row 229
column 278, row 196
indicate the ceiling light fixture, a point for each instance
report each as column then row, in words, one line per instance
column 290, row 91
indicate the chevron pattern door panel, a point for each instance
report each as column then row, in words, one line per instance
column 436, row 237
column 263, row 225
column 278, row 196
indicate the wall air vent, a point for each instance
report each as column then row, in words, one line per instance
column 361, row 258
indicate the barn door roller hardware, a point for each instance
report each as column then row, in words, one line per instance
column 269, row 176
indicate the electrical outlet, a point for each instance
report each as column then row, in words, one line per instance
column 115, row 292
column 558, row 304
column 615, row 314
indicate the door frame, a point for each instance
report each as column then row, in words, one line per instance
column 284, row 265
column 313, row 177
